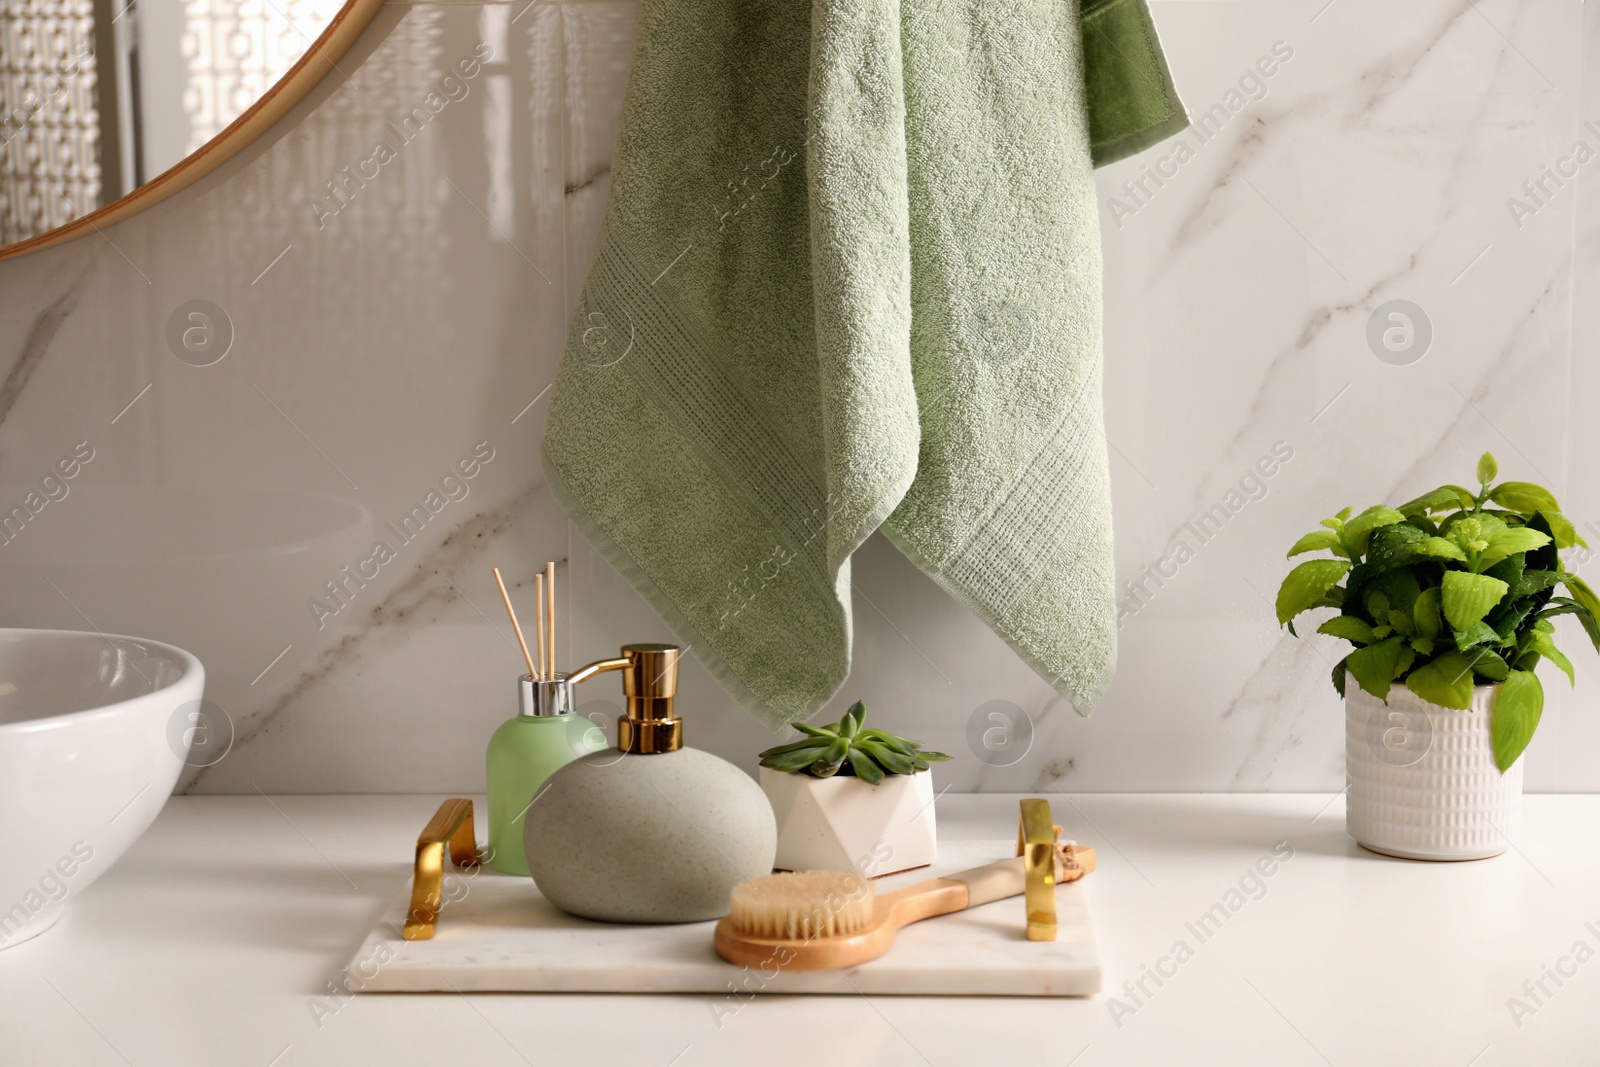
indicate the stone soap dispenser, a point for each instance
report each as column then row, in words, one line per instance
column 649, row 831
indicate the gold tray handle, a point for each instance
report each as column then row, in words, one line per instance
column 1036, row 844
column 452, row 825
column 1046, row 863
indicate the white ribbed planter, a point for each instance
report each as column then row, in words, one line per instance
column 1422, row 779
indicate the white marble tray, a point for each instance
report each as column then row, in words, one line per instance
column 497, row 934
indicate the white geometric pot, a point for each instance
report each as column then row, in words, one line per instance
column 844, row 824
column 1422, row 778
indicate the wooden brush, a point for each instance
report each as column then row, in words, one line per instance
column 822, row 920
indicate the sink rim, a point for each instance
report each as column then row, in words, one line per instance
column 190, row 662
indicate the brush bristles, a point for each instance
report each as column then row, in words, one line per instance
column 804, row 905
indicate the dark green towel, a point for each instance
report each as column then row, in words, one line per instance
column 1132, row 102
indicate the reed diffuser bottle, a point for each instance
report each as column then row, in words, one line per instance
column 545, row 735
column 649, row 831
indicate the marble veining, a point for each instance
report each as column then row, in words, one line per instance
column 35, row 343
column 379, row 331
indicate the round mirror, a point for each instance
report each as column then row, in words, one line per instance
column 109, row 106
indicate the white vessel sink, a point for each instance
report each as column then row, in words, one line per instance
column 93, row 732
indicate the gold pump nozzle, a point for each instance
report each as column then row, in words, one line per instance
column 650, row 683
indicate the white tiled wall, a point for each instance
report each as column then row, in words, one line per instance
column 375, row 346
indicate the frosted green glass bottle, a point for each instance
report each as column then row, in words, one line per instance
column 545, row 736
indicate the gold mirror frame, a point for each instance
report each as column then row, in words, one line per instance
column 320, row 60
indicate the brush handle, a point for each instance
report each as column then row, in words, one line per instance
column 952, row 893
column 1008, row 878
column 992, row 881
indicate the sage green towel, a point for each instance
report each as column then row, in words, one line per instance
column 849, row 279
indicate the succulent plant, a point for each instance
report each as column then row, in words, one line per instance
column 847, row 748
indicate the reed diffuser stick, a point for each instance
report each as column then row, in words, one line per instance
column 538, row 600
column 550, row 608
column 516, row 626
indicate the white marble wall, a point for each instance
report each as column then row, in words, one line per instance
column 375, row 346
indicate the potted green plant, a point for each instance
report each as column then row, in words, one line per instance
column 1449, row 601
column 851, row 798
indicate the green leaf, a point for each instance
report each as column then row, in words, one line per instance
column 1423, row 523
column 850, row 725
column 1399, row 588
column 1446, row 496
column 1479, row 633
column 1487, row 468
column 1306, row 584
column 1509, row 539
column 1508, row 618
column 1471, row 532
column 798, row 759
column 1467, row 598
column 1339, row 675
column 1439, row 548
column 1407, row 657
column 1315, row 541
column 1561, row 528
column 1400, row 544
column 1509, row 570
column 1446, row 681
column 1423, row 645
column 1489, row 665
column 816, row 731
column 827, row 764
column 1344, row 513
column 1524, row 497
column 1359, row 529
column 900, row 744
column 792, row 746
column 793, row 761
column 1584, row 597
column 865, row 767
column 892, row 761
column 1400, row 622
column 1516, row 716
column 1547, row 558
column 1568, row 606
column 1534, row 581
column 1425, row 613
column 1582, row 593
column 1541, row 643
column 1392, row 546
column 1374, row 666
column 1348, row 627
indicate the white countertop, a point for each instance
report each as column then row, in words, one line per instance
column 216, row 940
